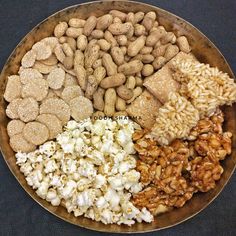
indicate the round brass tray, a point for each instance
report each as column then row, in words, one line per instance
column 203, row 49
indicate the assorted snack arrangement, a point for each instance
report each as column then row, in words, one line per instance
column 114, row 118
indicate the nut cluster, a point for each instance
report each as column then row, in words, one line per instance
column 172, row 174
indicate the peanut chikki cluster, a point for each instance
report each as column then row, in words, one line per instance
column 172, row 174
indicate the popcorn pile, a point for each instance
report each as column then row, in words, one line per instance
column 90, row 170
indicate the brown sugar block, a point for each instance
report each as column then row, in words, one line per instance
column 15, row 127
column 37, row 88
column 57, row 107
column 12, row 108
column 53, row 124
column 143, row 109
column 20, row 144
column 28, row 109
column 13, row 88
column 81, row 108
column 161, row 83
column 36, row 133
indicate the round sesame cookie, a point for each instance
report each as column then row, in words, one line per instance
column 81, row 108
column 36, row 133
column 71, row 92
column 51, row 61
column 28, row 109
column 58, row 92
column 20, row 144
column 28, row 59
column 28, row 74
column 13, row 88
column 57, row 107
column 42, row 50
column 52, row 122
column 15, row 127
column 12, row 108
column 38, row 89
column 50, row 41
column 50, row 94
column 42, row 68
column 70, row 80
column 56, row 78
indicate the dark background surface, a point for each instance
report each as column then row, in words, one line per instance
column 19, row 214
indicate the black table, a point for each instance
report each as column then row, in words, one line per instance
column 19, row 214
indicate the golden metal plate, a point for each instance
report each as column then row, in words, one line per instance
column 203, row 49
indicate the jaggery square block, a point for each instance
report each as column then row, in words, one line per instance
column 143, row 109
